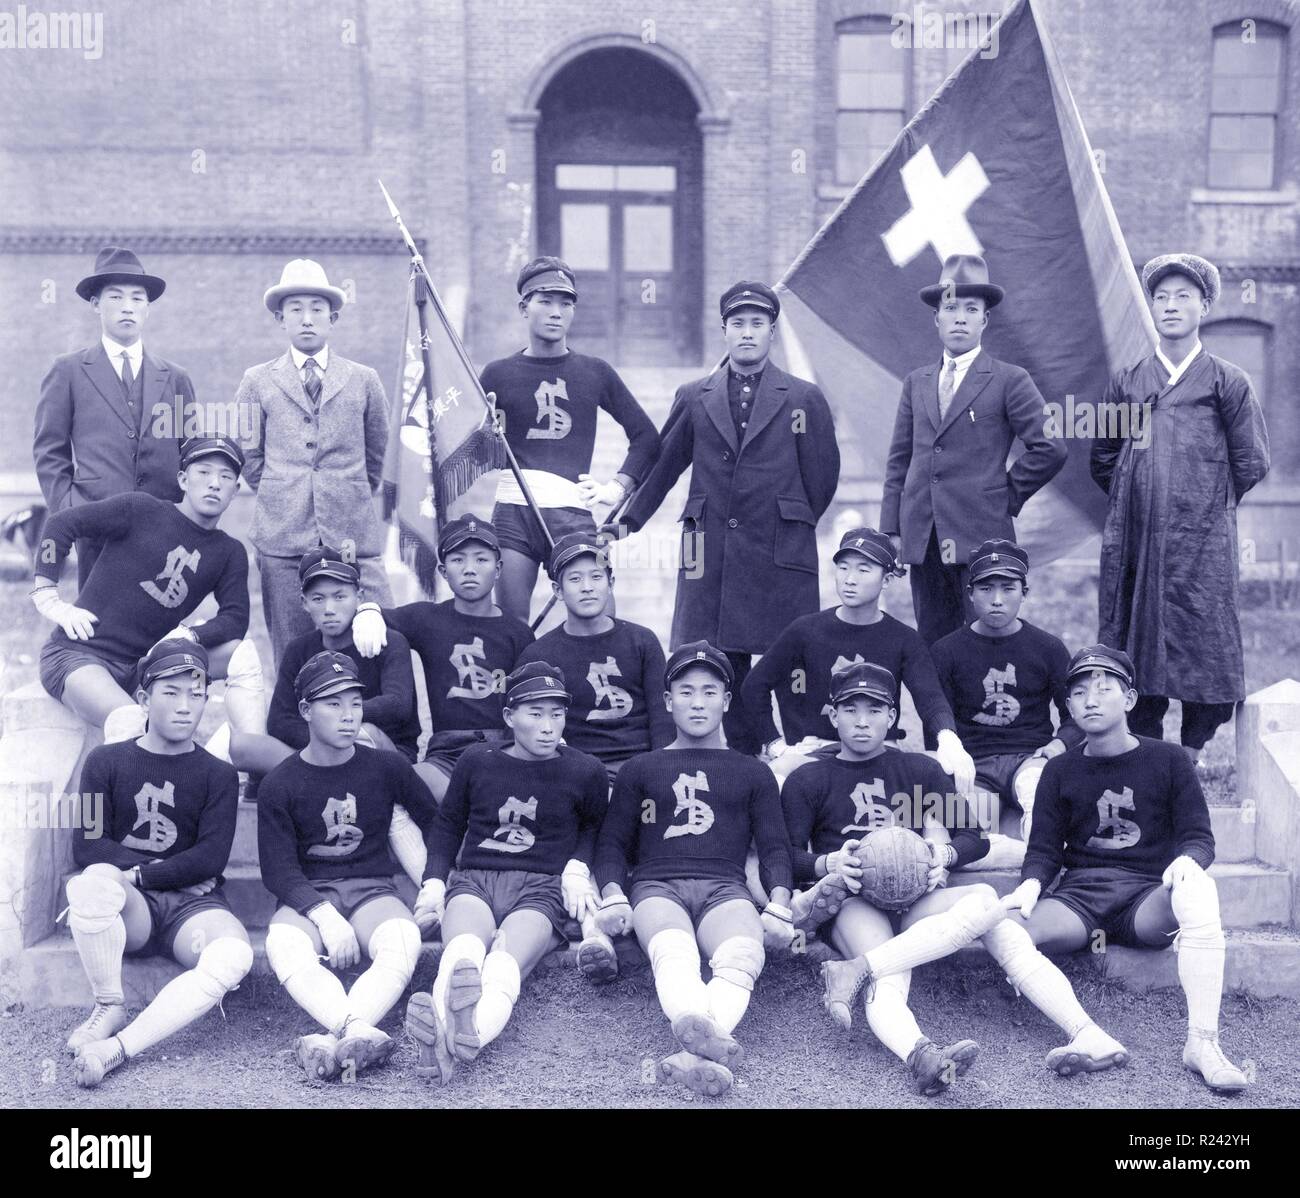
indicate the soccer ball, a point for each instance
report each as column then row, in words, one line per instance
column 895, row 868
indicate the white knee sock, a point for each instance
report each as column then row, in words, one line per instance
column 889, row 1016
column 1201, row 950
column 1025, row 785
column 675, row 960
column 221, row 966
column 461, row 948
column 407, row 842
column 736, row 966
column 500, row 993
column 1034, row 976
column 938, row 935
column 313, row 987
column 124, row 723
column 394, row 948
column 245, row 689
column 95, row 907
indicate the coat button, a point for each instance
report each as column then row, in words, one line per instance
column 733, row 523
column 938, row 449
column 311, row 444
column 934, row 478
column 306, row 420
column 131, row 434
column 726, row 455
column 139, row 482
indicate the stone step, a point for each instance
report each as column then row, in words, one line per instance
column 1234, row 833
column 1251, row 894
column 1266, row 964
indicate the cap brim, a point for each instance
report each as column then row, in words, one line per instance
column 761, row 307
column 334, row 688
column 872, row 555
column 548, row 692
column 469, row 538
column 213, row 453
column 862, row 692
column 672, row 675
column 152, row 676
column 342, row 575
column 571, row 556
column 998, row 572
column 1114, row 671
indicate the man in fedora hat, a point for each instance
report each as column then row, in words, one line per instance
column 96, row 431
column 764, row 466
column 1168, row 583
column 315, row 452
column 947, row 485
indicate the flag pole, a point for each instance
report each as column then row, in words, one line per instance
column 418, row 269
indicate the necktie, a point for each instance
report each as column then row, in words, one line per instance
column 947, row 385
column 127, row 377
column 311, row 381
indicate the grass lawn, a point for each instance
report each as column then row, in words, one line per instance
column 571, row 1044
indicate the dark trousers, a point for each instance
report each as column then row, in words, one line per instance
column 938, row 594
column 1200, row 720
column 734, row 723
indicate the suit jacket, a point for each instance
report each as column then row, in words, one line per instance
column 87, row 446
column 749, row 528
column 951, row 475
column 315, row 472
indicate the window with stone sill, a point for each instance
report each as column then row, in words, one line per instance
column 1245, row 100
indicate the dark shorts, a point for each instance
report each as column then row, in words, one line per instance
column 519, row 529
column 169, row 909
column 59, row 658
column 349, row 895
column 1106, row 899
column 995, row 773
column 507, row 890
column 444, row 748
column 696, row 896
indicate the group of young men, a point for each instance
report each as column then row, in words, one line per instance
column 583, row 783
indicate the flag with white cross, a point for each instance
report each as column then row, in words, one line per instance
column 997, row 163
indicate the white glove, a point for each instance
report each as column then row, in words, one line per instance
column 579, row 894
column 429, row 904
column 846, row 862
column 614, row 916
column 943, row 857
column 76, row 622
column 1024, row 897
column 778, row 926
column 592, row 494
column 369, row 632
column 774, row 750
column 954, row 759
column 180, row 632
column 1180, row 869
column 340, row 940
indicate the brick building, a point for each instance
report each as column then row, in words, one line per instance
column 665, row 147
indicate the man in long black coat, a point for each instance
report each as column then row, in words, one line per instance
column 1191, row 444
column 765, row 467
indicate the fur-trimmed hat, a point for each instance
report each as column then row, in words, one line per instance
column 1204, row 274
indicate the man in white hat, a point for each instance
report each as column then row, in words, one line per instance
column 315, row 452
column 1194, row 444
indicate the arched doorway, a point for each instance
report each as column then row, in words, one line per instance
column 619, row 197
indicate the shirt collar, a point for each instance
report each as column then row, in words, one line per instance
column 1177, row 372
column 114, row 351
column 740, row 377
column 963, row 360
column 321, row 356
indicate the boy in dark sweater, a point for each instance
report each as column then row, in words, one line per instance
column 616, row 672
column 331, row 589
column 521, row 865
column 799, row 665
column 466, row 646
column 831, row 805
column 547, row 399
column 151, row 867
column 678, row 829
column 1002, row 675
column 1126, row 817
column 158, row 562
column 322, row 842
